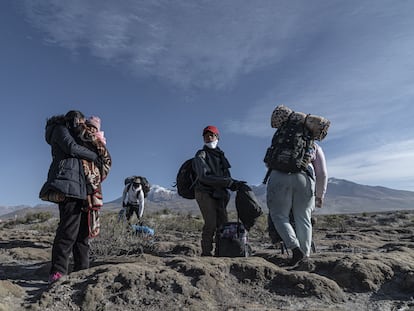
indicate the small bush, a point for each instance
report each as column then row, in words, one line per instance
column 29, row 218
column 334, row 221
column 37, row 217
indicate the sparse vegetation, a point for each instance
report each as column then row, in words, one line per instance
column 116, row 238
column 29, row 219
column 334, row 221
column 176, row 222
column 38, row 217
column 165, row 270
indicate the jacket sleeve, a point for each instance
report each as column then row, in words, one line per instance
column 204, row 173
column 321, row 173
column 66, row 142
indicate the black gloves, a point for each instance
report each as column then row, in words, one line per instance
column 235, row 185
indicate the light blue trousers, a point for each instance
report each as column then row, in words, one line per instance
column 296, row 192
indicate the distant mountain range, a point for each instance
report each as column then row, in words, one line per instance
column 343, row 197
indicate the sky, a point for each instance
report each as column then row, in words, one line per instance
column 158, row 71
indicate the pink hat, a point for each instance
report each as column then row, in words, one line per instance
column 95, row 122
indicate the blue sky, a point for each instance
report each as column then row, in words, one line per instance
column 157, row 72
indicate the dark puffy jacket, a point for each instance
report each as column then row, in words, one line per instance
column 212, row 170
column 66, row 173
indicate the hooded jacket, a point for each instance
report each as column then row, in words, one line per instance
column 66, row 173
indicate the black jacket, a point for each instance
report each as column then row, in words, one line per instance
column 66, row 173
column 212, row 170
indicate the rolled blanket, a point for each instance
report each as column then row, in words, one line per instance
column 280, row 115
column 317, row 125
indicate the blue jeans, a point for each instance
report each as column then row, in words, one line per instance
column 296, row 192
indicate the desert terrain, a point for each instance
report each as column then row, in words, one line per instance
column 362, row 262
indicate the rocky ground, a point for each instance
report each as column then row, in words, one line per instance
column 363, row 262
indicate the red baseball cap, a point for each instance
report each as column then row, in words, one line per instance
column 211, row 129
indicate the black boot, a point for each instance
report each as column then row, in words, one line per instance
column 206, row 248
column 297, row 256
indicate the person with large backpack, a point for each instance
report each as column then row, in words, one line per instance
column 133, row 197
column 212, row 181
column 294, row 161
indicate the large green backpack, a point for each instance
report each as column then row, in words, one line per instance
column 292, row 148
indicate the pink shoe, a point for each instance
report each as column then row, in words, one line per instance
column 54, row 277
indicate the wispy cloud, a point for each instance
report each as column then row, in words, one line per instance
column 359, row 74
column 349, row 61
column 212, row 43
column 356, row 69
column 201, row 43
column 385, row 165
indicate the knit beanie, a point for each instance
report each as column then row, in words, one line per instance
column 95, row 122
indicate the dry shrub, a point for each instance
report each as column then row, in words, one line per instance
column 48, row 226
column 334, row 221
column 41, row 221
column 116, row 238
column 37, row 217
column 177, row 222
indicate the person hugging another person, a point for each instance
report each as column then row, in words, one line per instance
column 66, row 185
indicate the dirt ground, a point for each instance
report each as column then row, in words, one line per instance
column 365, row 262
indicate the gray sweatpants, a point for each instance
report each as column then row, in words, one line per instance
column 296, row 192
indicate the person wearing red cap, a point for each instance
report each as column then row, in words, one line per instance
column 213, row 179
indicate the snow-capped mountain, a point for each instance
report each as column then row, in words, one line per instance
column 342, row 197
column 159, row 193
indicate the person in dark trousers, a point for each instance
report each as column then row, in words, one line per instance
column 133, row 200
column 211, row 187
column 66, row 178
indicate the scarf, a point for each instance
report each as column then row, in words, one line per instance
column 220, row 165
